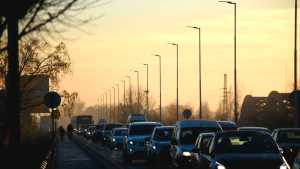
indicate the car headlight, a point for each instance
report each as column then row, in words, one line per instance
column 131, row 142
column 114, row 140
column 284, row 166
column 221, row 167
column 186, row 154
column 154, row 147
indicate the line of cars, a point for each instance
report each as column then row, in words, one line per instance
column 204, row 144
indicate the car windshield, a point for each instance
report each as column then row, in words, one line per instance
column 189, row 135
column 111, row 126
column 289, row 136
column 246, row 143
column 141, row 129
column 163, row 135
column 120, row 132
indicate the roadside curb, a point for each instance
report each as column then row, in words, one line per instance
column 92, row 150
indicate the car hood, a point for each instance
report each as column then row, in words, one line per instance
column 250, row 161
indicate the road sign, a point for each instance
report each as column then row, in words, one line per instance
column 52, row 100
column 56, row 113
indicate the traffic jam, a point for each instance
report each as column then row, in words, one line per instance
column 202, row 144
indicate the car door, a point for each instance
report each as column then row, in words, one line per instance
column 206, row 147
column 174, row 144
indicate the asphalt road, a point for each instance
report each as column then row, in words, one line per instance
column 110, row 158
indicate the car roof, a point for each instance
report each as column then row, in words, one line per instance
column 197, row 123
column 259, row 128
column 240, row 132
column 121, row 128
column 144, row 123
column 165, row 127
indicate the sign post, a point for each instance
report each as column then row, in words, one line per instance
column 52, row 100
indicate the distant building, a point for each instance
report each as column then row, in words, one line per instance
column 272, row 111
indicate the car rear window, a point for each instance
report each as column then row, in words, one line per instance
column 163, row 134
column 246, row 144
column 141, row 129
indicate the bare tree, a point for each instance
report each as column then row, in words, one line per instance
column 52, row 16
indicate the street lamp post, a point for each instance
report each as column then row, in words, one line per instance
column 147, row 90
column 130, row 93
column 235, row 53
column 160, row 112
column 200, row 71
column 114, row 113
column 124, row 93
column 106, row 105
column 118, row 85
column 138, row 90
column 177, row 79
column 109, row 116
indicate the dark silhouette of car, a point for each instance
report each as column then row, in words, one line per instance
column 134, row 143
column 241, row 150
column 203, row 140
column 228, row 125
column 117, row 138
column 107, row 131
column 261, row 129
column 288, row 140
column 184, row 137
column 157, row 147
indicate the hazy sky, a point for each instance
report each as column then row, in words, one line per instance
column 131, row 30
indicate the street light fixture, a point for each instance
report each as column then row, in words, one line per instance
column 130, row 93
column 160, row 112
column 147, row 90
column 118, row 85
column 200, row 70
column 235, row 53
column 177, row 80
column 114, row 113
column 138, row 89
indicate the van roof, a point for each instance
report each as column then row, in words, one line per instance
column 197, row 123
